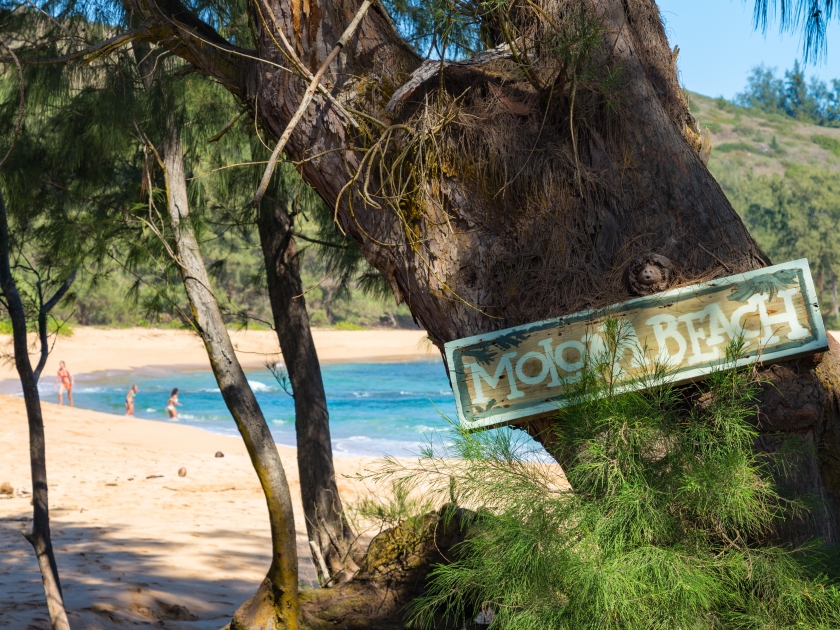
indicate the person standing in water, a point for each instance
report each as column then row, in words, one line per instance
column 64, row 380
column 129, row 400
column 171, row 404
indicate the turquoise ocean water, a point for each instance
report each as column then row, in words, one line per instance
column 375, row 408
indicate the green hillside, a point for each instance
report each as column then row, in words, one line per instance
column 749, row 142
column 782, row 175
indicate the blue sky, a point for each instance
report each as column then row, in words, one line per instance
column 718, row 45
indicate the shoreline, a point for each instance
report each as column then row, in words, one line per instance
column 90, row 350
column 9, row 382
column 132, row 538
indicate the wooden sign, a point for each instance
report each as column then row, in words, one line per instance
column 525, row 372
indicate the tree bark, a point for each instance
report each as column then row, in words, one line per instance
column 276, row 603
column 326, row 525
column 531, row 203
column 40, row 537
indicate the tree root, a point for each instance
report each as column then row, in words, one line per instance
column 391, row 574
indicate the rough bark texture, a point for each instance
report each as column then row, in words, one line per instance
column 40, row 537
column 800, row 413
column 392, row 573
column 325, row 522
column 276, row 603
column 483, row 250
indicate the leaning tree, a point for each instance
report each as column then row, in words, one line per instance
column 513, row 184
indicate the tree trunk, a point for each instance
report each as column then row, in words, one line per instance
column 835, row 305
column 276, row 603
column 505, row 192
column 39, row 537
column 326, row 525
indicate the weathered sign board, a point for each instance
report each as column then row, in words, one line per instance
column 527, row 371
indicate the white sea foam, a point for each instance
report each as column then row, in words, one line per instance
column 261, row 387
column 361, row 394
column 211, row 390
column 422, row 428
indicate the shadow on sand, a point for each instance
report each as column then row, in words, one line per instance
column 113, row 579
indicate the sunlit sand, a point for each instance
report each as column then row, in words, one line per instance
column 136, row 543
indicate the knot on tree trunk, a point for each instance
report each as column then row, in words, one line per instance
column 649, row 273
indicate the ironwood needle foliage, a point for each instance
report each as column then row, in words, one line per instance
column 660, row 531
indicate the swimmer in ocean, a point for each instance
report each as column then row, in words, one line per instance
column 129, row 400
column 171, row 404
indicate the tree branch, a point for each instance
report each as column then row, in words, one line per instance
column 45, row 309
column 170, row 24
column 88, row 54
column 306, row 100
column 431, row 67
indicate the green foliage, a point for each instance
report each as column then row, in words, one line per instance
column 393, row 508
column 345, row 325
column 796, row 216
column 787, row 193
column 729, row 147
column 792, row 96
column 828, row 143
column 443, row 29
column 59, row 327
column 661, row 530
column 86, row 162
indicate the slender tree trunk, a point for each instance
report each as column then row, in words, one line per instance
column 276, row 603
column 39, row 537
column 494, row 203
column 326, row 525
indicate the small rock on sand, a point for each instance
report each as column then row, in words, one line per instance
column 219, row 454
column 182, row 472
column 6, row 488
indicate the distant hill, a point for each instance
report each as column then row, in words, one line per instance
column 782, row 175
column 743, row 140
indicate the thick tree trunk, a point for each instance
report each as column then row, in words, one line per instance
column 326, row 525
column 39, row 537
column 484, row 202
column 276, row 603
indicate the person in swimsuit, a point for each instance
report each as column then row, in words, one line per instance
column 171, row 404
column 129, row 400
column 64, row 380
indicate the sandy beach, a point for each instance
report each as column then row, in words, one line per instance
column 132, row 538
column 137, row 545
column 91, row 349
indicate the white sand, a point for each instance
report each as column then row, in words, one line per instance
column 91, row 349
column 128, row 544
